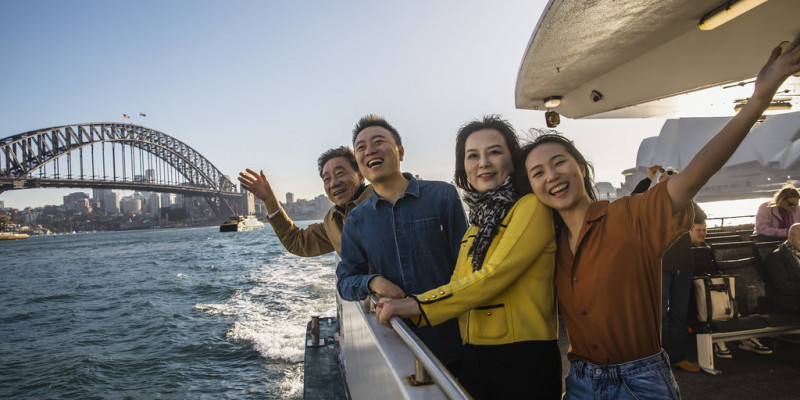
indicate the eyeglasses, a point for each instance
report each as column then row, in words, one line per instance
column 668, row 171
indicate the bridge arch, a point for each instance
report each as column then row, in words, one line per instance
column 165, row 163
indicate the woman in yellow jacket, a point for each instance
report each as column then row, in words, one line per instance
column 502, row 289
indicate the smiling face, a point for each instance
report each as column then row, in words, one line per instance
column 487, row 160
column 377, row 154
column 341, row 180
column 698, row 233
column 556, row 177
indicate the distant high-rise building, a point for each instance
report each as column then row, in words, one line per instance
column 82, row 206
column 75, row 197
column 322, row 203
column 247, row 203
column 130, row 205
column 154, row 205
column 111, row 202
column 289, row 197
column 98, row 194
column 167, row 199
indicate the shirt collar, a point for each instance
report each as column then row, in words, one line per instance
column 358, row 194
column 411, row 190
column 596, row 210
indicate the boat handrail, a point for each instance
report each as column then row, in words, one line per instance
column 433, row 367
column 722, row 219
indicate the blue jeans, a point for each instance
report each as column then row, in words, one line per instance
column 646, row 378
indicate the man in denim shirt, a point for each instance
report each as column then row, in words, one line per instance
column 403, row 239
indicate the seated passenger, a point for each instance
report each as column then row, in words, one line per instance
column 782, row 269
column 502, row 289
column 343, row 184
column 776, row 216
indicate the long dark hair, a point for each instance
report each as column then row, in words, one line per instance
column 540, row 137
column 488, row 122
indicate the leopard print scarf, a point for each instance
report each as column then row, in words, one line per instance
column 486, row 211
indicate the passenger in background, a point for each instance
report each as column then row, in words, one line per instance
column 502, row 289
column 403, row 239
column 644, row 184
column 608, row 256
column 343, row 184
column 782, row 268
column 776, row 216
column 676, row 282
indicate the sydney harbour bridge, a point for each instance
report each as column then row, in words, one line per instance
column 112, row 155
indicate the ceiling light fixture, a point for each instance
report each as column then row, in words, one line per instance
column 726, row 12
column 552, row 101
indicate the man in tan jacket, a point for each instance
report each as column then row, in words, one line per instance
column 343, row 184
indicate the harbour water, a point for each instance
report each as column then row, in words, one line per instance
column 173, row 313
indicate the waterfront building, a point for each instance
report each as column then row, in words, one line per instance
column 289, row 197
column 247, row 203
column 154, row 205
column 322, row 203
column 131, row 205
column 167, row 199
column 111, row 202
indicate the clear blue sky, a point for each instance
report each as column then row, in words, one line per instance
column 271, row 85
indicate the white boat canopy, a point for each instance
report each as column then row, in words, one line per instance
column 641, row 58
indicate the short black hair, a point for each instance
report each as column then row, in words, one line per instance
column 374, row 120
column 488, row 122
column 341, row 151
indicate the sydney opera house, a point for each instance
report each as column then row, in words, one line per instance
column 768, row 158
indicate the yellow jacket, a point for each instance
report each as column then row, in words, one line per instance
column 512, row 297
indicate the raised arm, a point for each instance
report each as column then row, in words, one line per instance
column 258, row 185
column 683, row 187
column 309, row 242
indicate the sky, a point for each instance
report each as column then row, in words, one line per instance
column 271, row 85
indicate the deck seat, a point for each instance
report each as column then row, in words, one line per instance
column 781, row 319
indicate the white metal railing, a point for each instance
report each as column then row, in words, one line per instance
column 431, row 366
column 388, row 363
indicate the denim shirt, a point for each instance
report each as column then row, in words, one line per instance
column 414, row 243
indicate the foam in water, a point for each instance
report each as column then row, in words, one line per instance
column 273, row 313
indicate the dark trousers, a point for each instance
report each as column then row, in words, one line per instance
column 675, row 288
column 522, row 370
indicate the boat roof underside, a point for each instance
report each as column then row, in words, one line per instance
column 644, row 51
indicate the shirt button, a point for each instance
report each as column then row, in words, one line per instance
column 426, row 299
column 441, row 292
column 433, row 296
column 583, row 312
column 595, row 347
column 488, row 313
column 574, row 280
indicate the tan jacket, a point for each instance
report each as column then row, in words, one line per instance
column 317, row 239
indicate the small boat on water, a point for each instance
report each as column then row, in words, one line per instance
column 12, row 236
column 238, row 223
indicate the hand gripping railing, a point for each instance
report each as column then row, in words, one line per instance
column 430, row 365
